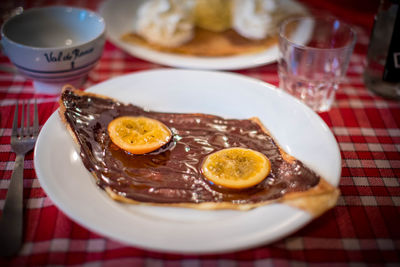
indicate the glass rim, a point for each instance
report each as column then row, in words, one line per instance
column 348, row 45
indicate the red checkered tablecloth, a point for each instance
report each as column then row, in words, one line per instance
column 363, row 229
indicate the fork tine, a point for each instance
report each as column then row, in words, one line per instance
column 14, row 131
column 28, row 121
column 35, row 120
column 22, row 126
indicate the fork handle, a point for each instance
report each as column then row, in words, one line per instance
column 12, row 218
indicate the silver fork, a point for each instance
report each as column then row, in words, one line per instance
column 22, row 141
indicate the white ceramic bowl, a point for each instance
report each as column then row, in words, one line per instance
column 54, row 45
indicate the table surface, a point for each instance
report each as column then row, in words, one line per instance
column 363, row 228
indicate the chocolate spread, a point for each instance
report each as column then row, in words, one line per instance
column 173, row 173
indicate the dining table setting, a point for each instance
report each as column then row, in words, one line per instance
column 66, row 191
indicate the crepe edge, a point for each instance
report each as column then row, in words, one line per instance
column 315, row 201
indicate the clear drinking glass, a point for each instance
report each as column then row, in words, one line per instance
column 314, row 53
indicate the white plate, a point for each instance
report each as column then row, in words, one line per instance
column 299, row 130
column 119, row 16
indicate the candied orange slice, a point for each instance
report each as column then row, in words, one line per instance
column 138, row 135
column 236, row 167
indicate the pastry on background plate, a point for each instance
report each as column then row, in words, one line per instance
column 195, row 160
column 210, row 28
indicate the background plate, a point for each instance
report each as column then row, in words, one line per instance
column 298, row 130
column 119, row 16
